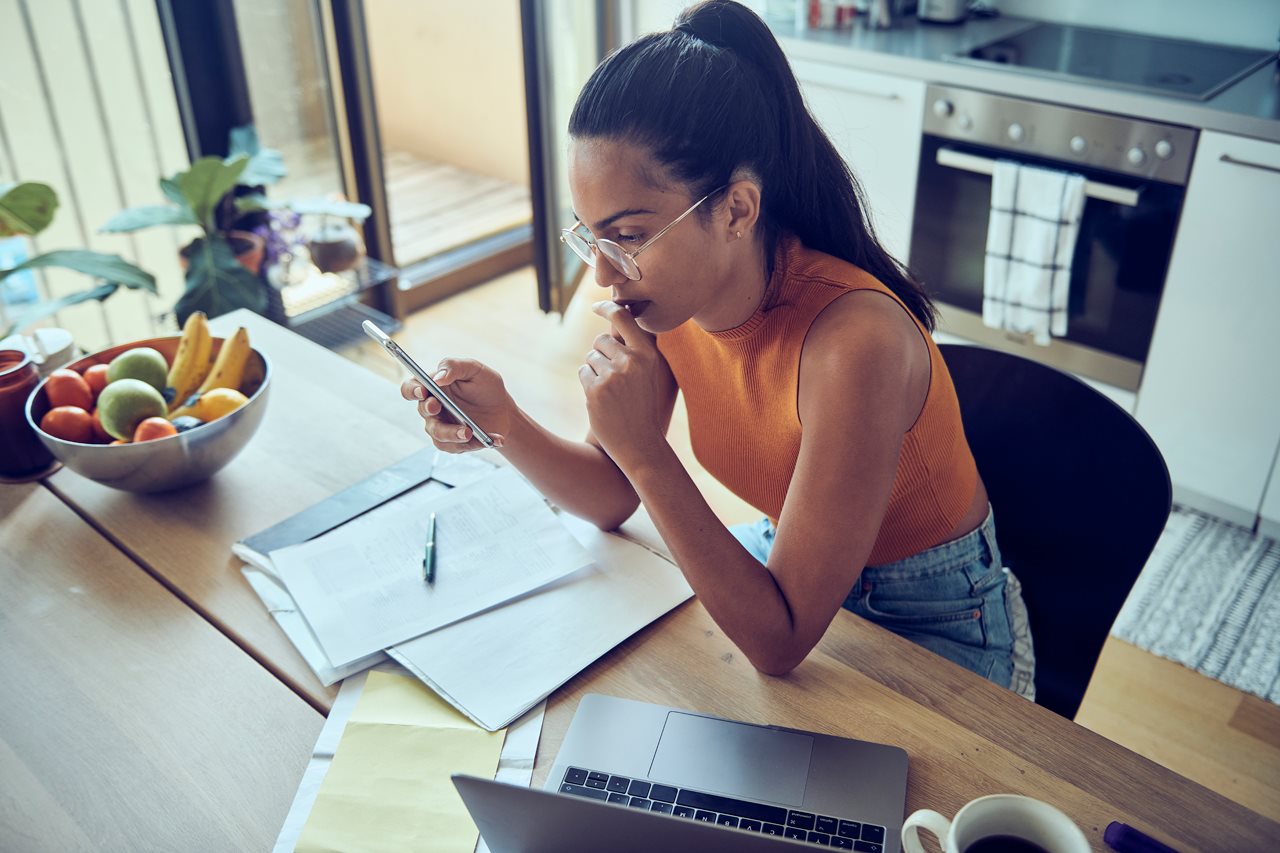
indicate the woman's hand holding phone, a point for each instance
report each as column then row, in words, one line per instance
column 478, row 390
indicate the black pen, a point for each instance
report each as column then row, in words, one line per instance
column 429, row 552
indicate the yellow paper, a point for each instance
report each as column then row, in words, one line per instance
column 388, row 788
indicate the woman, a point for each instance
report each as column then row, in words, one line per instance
column 743, row 272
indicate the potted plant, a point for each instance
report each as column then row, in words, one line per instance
column 225, row 199
column 27, row 209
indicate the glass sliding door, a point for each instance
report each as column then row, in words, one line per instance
column 564, row 40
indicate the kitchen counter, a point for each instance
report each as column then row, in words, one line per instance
column 1250, row 107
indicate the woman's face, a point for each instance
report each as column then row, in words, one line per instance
column 681, row 271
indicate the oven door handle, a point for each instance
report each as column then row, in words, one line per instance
column 985, row 166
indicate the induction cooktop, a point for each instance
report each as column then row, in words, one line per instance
column 1184, row 69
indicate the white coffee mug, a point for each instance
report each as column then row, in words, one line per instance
column 1000, row 814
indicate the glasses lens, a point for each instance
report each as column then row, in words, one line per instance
column 580, row 246
column 617, row 256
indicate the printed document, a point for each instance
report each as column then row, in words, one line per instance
column 360, row 587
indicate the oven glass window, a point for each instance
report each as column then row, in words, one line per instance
column 1121, row 257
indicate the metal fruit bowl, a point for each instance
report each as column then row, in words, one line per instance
column 163, row 463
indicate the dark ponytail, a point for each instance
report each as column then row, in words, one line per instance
column 715, row 94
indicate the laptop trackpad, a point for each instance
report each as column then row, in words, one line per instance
column 737, row 759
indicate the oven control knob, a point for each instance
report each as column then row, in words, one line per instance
column 943, row 108
column 1136, row 156
column 1078, row 144
column 1016, row 132
column 1164, row 149
column 966, row 122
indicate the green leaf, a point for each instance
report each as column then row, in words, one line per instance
column 217, row 283
column 144, row 217
column 111, row 268
column 266, row 165
column 40, row 310
column 114, row 270
column 27, row 209
column 256, row 202
column 173, row 192
column 207, row 181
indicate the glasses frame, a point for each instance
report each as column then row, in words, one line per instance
column 595, row 245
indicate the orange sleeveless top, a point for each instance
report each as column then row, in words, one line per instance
column 741, row 390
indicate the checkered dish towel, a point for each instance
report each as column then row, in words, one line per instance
column 1031, row 236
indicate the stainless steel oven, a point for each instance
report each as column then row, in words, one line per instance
column 1136, row 174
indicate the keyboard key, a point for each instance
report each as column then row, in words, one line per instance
column 873, row 833
column 800, row 820
column 597, row 780
column 574, row 776
column 728, row 805
column 639, row 789
column 842, row 843
column 582, row 791
column 727, row 820
column 772, row 829
column 849, row 828
column 619, row 798
column 665, row 793
column 827, row 825
column 640, row 803
column 682, row 811
column 868, row 847
column 705, row 817
column 618, row 784
column 792, row 832
column 820, row 838
column 749, row 824
column 660, row 807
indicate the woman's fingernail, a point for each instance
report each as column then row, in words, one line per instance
column 440, row 374
column 420, row 393
column 462, row 433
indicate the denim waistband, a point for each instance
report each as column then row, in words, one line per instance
column 978, row 545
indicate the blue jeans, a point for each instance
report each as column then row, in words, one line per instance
column 951, row 599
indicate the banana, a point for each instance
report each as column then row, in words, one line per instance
column 191, row 364
column 227, row 371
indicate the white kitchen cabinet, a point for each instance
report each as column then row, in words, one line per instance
column 1210, row 392
column 875, row 122
column 1269, row 523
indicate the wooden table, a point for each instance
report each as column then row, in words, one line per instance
column 126, row 721
column 330, row 424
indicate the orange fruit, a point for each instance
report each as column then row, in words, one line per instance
column 67, row 388
column 96, row 376
column 99, row 431
column 153, row 428
column 69, row 423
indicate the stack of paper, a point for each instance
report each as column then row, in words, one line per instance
column 523, row 598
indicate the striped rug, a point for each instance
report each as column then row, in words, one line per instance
column 1209, row 598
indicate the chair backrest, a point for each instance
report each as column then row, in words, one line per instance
column 1080, row 494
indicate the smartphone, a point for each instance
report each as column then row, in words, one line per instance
column 433, row 389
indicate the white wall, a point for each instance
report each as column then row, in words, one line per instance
column 449, row 81
column 1252, row 23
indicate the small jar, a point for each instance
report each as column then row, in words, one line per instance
column 21, row 451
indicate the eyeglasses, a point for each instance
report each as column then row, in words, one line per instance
column 622, row 260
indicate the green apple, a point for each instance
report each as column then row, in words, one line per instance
column 142, row 363
column 125, row 403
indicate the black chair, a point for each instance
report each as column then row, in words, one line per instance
column 1080, row 494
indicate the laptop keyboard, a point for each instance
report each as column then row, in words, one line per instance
column 822, row 830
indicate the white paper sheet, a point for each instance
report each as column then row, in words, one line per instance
column 360, row 587
column 497, row 664
column 515, row 765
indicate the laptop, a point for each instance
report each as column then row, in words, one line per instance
column 636, row 776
